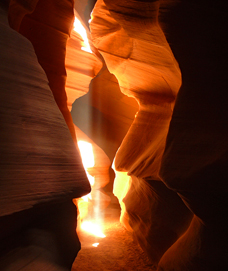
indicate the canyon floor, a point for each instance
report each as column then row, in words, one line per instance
column 118, row 251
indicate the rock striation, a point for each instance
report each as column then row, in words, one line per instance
column 195, row 159
column 172, row 179
column 136, row 52
column 146, row 70
column 170, row 157
column 41, row 170
column 81, row 66
column 39, row 160
column 47, row 24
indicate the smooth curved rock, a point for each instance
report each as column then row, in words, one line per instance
column 41, row 170
column 47, row 25
column 40, row 161
column 157, row 216
column 104, row 113
column 195, row 160
column 81, row 66
column 146, row 69
column 134, row 47
column 100, row 170
column 121, row 187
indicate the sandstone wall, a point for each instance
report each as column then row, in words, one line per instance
column 41, row 170
column 167, row 188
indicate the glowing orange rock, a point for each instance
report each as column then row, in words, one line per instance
column 146, row 69
column 135, row 49
column 34, row 137
column 100, row 170
column 81, row 66
column 48, row 33
column 121, row 187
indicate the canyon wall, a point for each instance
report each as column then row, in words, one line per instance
column 41, row 170
column 152, row 96
column 136, row 52
column 195, row 161
column 176, row 199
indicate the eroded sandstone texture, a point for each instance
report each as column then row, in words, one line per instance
column 41, row 170
column 136, row 51
column 195, row 160
column 172, row 161
column 48, row 27
column 160, row 204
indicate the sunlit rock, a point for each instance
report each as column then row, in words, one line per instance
column 146, row 69
column 172, row 189
column 91, row 206
column 121, row 187
column 97, row 165
column 104, row 113
column 135, row 49
column 100, row 168
column 81, row 66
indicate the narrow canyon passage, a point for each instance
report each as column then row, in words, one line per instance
column 117, row 251
column 139, row 89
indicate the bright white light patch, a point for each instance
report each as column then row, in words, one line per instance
column 91, row 17
column 86, row 151
column 95, row 244
column 79, row 28
column 92, row 228
column 91, row 179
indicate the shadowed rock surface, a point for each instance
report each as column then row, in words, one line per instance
column 41, row 170
column 171, row 155
column 129, row 37
column 134, row 47
column 39, row 161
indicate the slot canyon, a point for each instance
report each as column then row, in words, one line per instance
column 113, row 135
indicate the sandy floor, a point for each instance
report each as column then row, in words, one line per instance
column 118, row 251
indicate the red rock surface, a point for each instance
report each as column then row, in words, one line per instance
column 146, row 69
column 104, row 113
column 48, row 27
column 41, row 170
column 195, row 160
column 177, row 197
column 81, row 66
column 129, row 37
column 35, row 140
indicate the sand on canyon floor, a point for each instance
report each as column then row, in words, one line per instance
column 118, row 251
